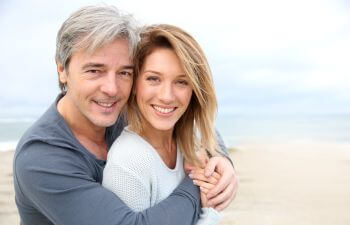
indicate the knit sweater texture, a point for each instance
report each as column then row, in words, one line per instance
column 136, row 173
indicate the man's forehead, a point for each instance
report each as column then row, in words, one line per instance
column 90, row 47
column 121, row 51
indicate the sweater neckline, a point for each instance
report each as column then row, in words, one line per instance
column 154, row 151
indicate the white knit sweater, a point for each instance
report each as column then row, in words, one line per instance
column 137, row 174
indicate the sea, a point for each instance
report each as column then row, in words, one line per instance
column 236, row 129
column 244, row 129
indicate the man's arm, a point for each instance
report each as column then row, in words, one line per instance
column 222, row 146
column 61, row 186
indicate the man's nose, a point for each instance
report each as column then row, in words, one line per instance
column 110, row 85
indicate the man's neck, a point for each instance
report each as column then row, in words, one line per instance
column 89, row 135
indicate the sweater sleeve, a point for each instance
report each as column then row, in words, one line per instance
column 223, row 147
column 209, row 216
column 58, row 184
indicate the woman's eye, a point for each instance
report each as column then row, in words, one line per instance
column 152, row 78
column 182, row 82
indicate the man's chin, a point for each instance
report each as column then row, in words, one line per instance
column 104, row 123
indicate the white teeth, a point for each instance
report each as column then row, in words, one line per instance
column 104, row 104
column 163, row 110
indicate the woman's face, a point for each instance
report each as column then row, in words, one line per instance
column 163, row 91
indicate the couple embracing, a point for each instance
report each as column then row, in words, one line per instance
column 131, row 136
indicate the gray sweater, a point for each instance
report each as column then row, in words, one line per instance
column 58, row 181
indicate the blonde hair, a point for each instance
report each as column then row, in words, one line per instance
column 195, row 129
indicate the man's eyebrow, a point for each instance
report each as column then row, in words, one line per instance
column 94, row 65
column 100, row 65
column 128, row 67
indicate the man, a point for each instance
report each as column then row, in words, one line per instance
column 59, row 161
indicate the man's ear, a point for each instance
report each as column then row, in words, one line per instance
column 62, row 73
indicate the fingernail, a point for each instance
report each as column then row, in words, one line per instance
column 190, row 175
column 195, row 182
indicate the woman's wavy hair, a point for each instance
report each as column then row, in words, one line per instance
column 195, row 129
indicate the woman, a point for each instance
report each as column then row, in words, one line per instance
column 171, row 114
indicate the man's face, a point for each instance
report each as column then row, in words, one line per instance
column 98, row 85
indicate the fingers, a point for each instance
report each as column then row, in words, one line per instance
column 222, row 200
column 226, row 203
column 202, row 172
column 223, row 196
column 218, row 181
column 225, row 169
column 204, row 199
column 204, row 190
column 223, row 183
column 199, row 175
column 203, row 184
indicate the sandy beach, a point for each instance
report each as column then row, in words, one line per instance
column 291, row 183
column 8, row 210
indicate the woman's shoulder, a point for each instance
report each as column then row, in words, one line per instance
column 131, row 150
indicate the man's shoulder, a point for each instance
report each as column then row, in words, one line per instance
column 49, row 129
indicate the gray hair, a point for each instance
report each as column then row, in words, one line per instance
column 90, row 28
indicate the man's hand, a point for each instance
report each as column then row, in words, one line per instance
column 224, row 191
column 205, row 183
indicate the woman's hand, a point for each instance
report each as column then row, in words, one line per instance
column 205, row 183
column 225, row 189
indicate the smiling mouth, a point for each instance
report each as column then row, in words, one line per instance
column 164, row 110
column 105, row 104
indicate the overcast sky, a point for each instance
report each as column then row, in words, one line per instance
column 272, row 56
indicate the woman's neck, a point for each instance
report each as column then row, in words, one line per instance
column 163, row 142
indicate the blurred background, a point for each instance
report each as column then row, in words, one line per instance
column 279, row 66
column 282, row 76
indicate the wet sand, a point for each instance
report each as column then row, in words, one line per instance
column 299, row 184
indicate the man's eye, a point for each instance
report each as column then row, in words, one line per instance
column 126, row 73
column 92, row 71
